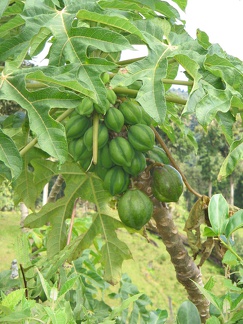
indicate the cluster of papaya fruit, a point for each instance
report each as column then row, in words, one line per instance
column 116, row 142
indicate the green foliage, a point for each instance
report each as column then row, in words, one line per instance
column 77, row 293
column 86, row 40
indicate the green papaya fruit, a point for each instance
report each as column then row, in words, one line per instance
column 76, row 126
column 111, row 96
column 77, row 148
column 102, row 109
column 105, row 77
column 114, row 120
column 138, row 164
column 131, row 111
column 141, row 137
column 157, row 154
column 135, row 208
column 86, row 107
column 116, row 180
column 121, row 151
column 103, row 137
column 104, row 157
column 146, row 119
column 167, row 183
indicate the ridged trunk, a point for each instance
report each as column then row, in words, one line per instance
column 185, row 267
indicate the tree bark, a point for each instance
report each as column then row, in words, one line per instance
column 186, row 269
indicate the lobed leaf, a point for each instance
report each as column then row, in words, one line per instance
column 120, row 23
column 10, row 156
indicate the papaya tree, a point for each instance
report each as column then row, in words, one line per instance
column 92, row 122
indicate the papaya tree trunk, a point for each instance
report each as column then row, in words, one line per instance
column 185, row 267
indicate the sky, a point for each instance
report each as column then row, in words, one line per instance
column 222, row 20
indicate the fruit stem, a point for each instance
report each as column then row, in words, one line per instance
column 95, row 137
column 173, row 162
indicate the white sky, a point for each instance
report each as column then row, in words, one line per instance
column 222, row 20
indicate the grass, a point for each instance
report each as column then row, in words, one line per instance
column 150, row 269
column 9, row 231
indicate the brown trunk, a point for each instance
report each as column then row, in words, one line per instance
column 186, row 269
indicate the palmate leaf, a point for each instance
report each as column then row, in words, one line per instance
column 10, row 156
column 150, row 70
column 122, row 24
column 89, row 187
column 130, row 7
column 10, row 26
column 50, row 134
column 28, row 186
column 83, row 78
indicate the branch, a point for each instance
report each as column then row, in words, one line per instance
column 55, row 189
column 133, row 93
column 173, row 162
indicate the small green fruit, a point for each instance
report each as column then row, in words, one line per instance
column 121, row 152
column 141, row 137
column 135, row 209
column 167, row 184
column 116, row 180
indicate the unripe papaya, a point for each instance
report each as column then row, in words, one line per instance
column 105, row 77
column 157, row 154
column 102, row 109
column 138, row 164
column 114, row 120
column 141, row 137
column 76, row 126
column 135, row 209
column 86, row 107
column 121, row 151
column 77, row 148
column 104, row 157
column 116, row 180
column 131, row 111
column 111, row 96
column 103, row 137
column 146, row 119
column 167, row 184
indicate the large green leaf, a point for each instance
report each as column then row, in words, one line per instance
column 188, row 314
column 88, row 187
column 11, row 25
column 235, row 222
column 129, row 7
column 29, row 185
column 235, row 155
column 50, row 134
column 150, row 70
column 10, row 156
column 218, row 212
column 3, row 6
column 111, row 21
